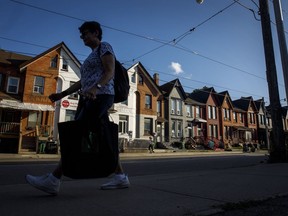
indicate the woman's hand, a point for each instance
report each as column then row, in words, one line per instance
column 90, row 93
column 56, row 96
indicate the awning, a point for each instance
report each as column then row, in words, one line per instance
column 198, row 120
column 13, row 104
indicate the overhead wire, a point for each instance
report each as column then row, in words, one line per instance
column 170, row 43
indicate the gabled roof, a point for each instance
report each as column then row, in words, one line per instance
column 221, row 97
column 244, row 103
column 190, row 101
column 259, row 103
column 169, row 86
column 12, row 58
column 60, row 45
column 202, row 95
column 147, row 76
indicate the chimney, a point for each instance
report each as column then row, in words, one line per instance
column 156, row 78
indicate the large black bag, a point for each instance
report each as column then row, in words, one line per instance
column 88, row 153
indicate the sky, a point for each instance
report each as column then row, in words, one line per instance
column 216, row 44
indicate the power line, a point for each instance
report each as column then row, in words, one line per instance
column 173, row 42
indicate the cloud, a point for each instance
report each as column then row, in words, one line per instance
column 176, row 67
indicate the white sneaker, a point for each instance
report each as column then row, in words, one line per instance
column 117, row 182
column 47, row 183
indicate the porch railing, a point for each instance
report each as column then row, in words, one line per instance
column 9, row 128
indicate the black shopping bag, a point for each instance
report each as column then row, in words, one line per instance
column 88, row 153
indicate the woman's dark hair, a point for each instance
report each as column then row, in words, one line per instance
column 91, row 26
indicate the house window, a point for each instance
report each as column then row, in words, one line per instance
column 179, row 128
column 235, row 116
column 140, row 80
column 179, row 107
column 54, row 62
column 65, row 65
column 226, row 114
column 133, row 78
column 158, row 108
column 173, row 128
column 212, row 112
column 188, row 110
column 13, row 85
column 38, row 85
column 74, row 95
column 123, row 124
column 173, row 106
column 148, row 126
column 241, row 117
column 213, row 131
column 34, row 119
column 251, row 118
column 148, row 101
column 70, row 115
column 197, row 108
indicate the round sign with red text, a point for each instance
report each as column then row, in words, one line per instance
column 65, row 103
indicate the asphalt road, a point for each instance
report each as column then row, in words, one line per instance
column 157, row 179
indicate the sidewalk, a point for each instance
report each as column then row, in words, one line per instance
column 187, row 194
column 127, row 155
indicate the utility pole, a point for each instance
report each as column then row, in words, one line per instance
column 277, row 150
column 282, row 42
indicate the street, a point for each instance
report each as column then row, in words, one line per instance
column 13, row 173
column 183, row 185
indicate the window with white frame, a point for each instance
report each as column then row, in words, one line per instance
column 148, row 101
column 179, row 128
column 54, row 62
column 70, row 115
column 173, row 106
column 197, row 110
column 13, row 85
column 38, row 85
column 213, row 131
column 159, row 108
column 65, row 64
column 173, row 128
column 235, row 116
column 148, row 126
column 188, row 110
column 212, row 114
column 179, row 107
column 133, row 78
column 75, row 95
column 123, row 124
column 226, row 114
column 34, row 118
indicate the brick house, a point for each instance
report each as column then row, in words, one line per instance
column 225, row 116
column 28, row 86
column 246, row 121
column 149, row 105
column 208, row 96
